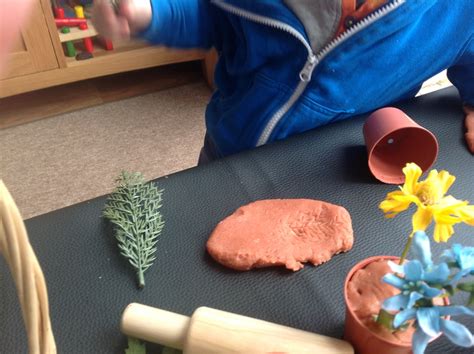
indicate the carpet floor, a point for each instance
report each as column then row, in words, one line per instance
column 59, row 161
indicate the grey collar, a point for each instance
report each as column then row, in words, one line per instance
column 320, row 19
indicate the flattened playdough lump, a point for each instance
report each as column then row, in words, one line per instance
column 279, row 232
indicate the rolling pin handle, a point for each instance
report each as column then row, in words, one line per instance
column 155, row 325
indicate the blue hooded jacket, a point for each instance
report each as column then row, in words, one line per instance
column 281, row 72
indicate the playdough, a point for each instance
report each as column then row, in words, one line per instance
column 366, row 293
column 279, row 232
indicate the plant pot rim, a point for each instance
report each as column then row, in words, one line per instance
column 360, row 265
column 419, row 129
column 421, row 147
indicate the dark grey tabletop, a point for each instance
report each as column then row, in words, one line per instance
column 90, row 284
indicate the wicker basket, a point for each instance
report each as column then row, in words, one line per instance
column 27, row 275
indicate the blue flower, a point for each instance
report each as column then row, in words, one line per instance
column 430, row 323
column 464, row 259
column 413, row 285
column 416, row 279
column 421, row 248
column 463, row 256
column 421, row 279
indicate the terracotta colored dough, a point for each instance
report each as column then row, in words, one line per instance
column 278, row 232
column 366, row 293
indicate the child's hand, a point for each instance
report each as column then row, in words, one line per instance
column 132, row 17
column 469, row 122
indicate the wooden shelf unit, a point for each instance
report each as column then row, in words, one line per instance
column 126, row 56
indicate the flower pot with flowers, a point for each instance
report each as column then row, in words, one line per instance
column 395, row 305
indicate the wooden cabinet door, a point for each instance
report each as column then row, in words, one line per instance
column 33, row 51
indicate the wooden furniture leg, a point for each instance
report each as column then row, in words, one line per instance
column 208, row 66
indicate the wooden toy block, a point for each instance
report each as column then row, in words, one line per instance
column 77, row 33
column 79, row 10
column 70, row 49
column 61, row 22
column 106, row 43
column 59, row 12
column 87, row 41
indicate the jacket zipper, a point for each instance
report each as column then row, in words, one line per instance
column 312, row 60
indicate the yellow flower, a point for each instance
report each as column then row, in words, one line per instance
column 432, row 204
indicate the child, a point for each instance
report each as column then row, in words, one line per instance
column 287, row 66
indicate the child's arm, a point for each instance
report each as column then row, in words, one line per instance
column 180, row 24
column 173, row 23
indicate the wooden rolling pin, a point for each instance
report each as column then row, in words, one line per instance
column 213, row 331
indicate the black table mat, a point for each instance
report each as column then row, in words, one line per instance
column 90, row 284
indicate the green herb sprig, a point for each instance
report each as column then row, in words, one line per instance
column 135, row 346
column 133, row 208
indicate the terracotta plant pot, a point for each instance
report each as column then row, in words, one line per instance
column 363, row 339
column 393, row 139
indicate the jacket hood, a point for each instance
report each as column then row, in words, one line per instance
column 320, row 19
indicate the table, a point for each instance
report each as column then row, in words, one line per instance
column 90, row 284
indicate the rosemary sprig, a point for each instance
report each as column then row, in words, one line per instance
column 133, row 208
column 135, row 346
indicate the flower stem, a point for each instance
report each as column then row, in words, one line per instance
column 141, row 279
column 385, row 319
column 406, row 249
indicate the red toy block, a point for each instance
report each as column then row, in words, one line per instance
column 87, row 41
column 58, row 12
column 69, row 22
column 107, row 44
